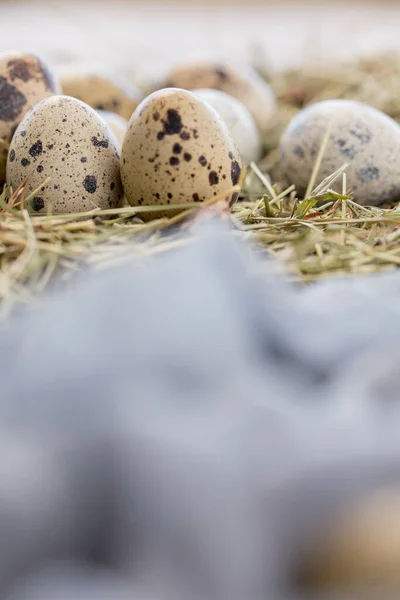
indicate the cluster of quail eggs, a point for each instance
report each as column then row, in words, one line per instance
column 87, row 139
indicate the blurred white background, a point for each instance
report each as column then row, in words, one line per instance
column 140, row 38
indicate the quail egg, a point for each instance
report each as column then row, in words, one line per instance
column 24, row 81
column 239, row 120
column 63, row 151
column 245, row 84
column 101, row 90
column 363, row 137
column 177, row 150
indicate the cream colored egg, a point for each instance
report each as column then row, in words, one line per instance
column 361, row 547
column 177, row 150
column 117, row 125
column 244, row 84
column 361, row 136
column 24, row 81
column 101, row 90
column 63, row 150
column 239, row 120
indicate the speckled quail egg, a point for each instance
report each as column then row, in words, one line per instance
column 177, row 149
column 239, row 120
column 117, row 125
column 101, row 90
column 245, row 84
column 361, row 547
column 24, row 81
column 65, row 141
column 362, row 136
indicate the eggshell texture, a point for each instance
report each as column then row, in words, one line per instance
column 65, row 140
column 24, row 81
column 244, row 84
column 118, row 125
column 102, row 90
column 177, row 149
column 362, row 546
column 362, row 136
column 239, row 120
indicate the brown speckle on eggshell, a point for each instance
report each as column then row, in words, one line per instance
column 24, row 81
column 163, row 163
column 56, row 141
column 365, row 138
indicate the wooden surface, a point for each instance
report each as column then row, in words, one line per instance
column 145, row 37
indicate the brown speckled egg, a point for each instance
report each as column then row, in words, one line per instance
column 24, row 81
column 65, row 140
column 102, row 90
column 177, row 149
column 117, row 125
column 362, row 136
column 243, row 84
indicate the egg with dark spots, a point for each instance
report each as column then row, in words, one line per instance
column 243, row 83
column 63, row 149
column 24, row 81
column 101, row 90
column 117, row 125
column 361, row 136
column 163, row 162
